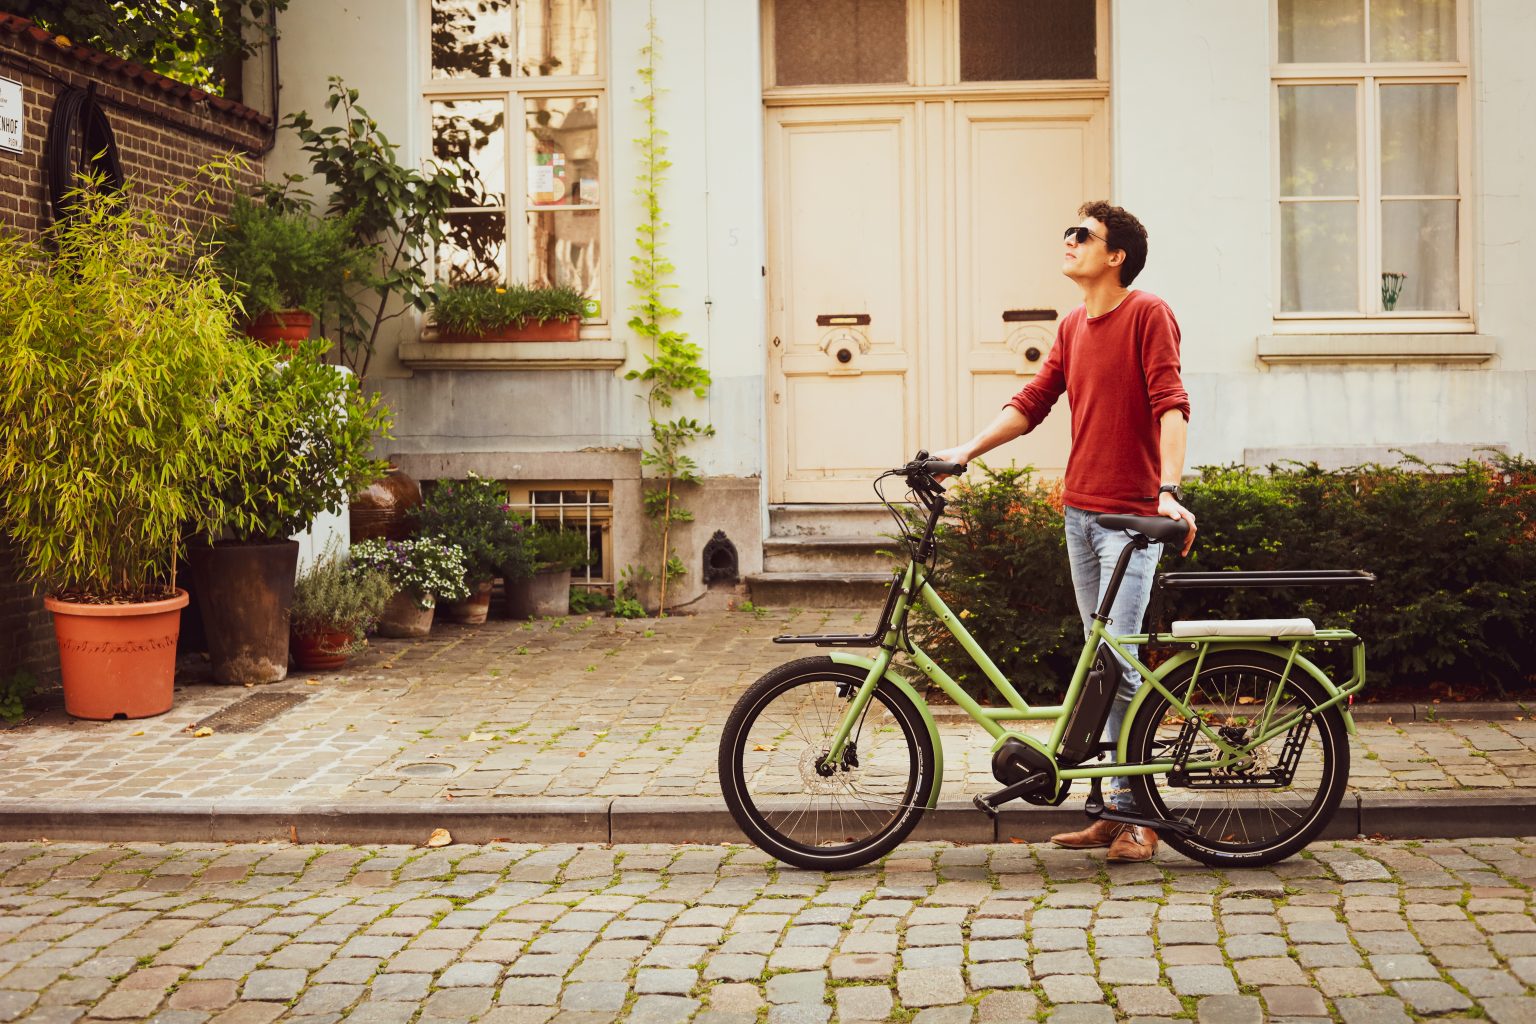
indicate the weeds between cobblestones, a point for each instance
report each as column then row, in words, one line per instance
column 513, row 934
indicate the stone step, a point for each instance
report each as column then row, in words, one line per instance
column 849, row 520
column 819, row 589
column 828, row 554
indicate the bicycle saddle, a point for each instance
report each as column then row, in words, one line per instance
column 1159, row 528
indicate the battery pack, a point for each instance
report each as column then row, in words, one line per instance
column 1086, row 722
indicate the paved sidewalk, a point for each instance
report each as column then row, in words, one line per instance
column 1367, row 933
column 565, row 711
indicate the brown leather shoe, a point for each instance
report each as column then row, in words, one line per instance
column 1100, row 833
column 1134, row 844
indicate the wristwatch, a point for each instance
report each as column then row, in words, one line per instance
column 1173, row 489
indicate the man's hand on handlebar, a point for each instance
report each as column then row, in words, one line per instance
column 959, row 454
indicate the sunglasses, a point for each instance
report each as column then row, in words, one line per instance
column 1081, row 235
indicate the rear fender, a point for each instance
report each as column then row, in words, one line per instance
column 865, row 665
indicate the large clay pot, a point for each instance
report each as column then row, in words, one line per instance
column 563, row 329
column 404, row 618
column 322, row 651
column 384, row 508
column 117, row 660
column 473, row 610
column 244, row 592
column 285, row 327
column 546, row 593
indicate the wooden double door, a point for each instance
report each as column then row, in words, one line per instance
column 914, row 277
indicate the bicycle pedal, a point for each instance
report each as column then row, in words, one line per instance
column 1177, row 825
column 984, row 807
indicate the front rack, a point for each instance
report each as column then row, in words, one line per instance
column 853, row 639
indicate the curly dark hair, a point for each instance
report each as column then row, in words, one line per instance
column 1121, row 231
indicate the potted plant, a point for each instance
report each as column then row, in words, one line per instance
column 546, row 590
column 334, row 605
column 474, row 514
column 423, row 571
column 303, row 448
column 284, row 263
column 479, row 311
column 120, row 374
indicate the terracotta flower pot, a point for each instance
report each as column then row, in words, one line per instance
column 284, row 327
column 404, row 618
column 564, row 329
column 473, row 610
column 244, row 592
column 321, row 651
column 382, row 510
column 546, row 593
column 117, row 660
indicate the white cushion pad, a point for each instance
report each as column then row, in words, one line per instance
column 1245, row 627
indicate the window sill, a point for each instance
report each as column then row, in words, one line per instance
column 1283, row 349
column 593, row 354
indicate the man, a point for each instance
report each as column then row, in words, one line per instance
column 1117, row 358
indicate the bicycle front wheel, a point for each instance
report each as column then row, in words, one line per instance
column 1245, row 814
column 800, row 806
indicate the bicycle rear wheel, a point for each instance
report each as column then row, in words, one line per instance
column 1243, row 817
column 790, row 800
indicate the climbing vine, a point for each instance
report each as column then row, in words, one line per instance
column 673, row 368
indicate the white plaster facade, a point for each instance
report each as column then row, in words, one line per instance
column 1191, row 153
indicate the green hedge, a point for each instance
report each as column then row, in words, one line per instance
column 1453, row 547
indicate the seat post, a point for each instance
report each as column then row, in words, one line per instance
column 1138, row 543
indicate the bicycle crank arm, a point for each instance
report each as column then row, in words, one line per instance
column 989, row 804
column 1178, row 825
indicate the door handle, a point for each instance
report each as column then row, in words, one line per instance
column 842, row 320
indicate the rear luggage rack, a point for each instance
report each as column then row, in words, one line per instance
column 1242, row 580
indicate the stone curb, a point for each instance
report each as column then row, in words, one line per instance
column 1440, row 815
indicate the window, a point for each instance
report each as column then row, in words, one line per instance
column 891, row 42
column 516, row 101
column 1371, row 121
column 584, row 507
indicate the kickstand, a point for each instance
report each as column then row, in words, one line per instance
column 1094, row 806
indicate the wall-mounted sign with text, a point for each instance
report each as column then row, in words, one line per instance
column 12, row 118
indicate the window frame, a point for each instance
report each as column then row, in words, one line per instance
column 1368, row 78
column 512, row 91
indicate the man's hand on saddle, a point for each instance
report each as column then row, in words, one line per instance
column 1168, row 505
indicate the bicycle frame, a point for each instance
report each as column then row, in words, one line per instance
column 913, row 582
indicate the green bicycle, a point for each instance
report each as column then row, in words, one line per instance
column 1236, row 746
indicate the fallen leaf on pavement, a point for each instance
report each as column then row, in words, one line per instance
column 1247, row 700
column 204, row 731
column 312, row 682
column 439, row 837
column 481, row 737
column 674, row 679
column 387, row 664
column 139, row 733
column 764, row 746
column 581, row 753
column 394, row 721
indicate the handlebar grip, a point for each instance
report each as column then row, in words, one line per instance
column 935, row 467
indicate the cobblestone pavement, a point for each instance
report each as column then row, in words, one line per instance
column 575, row 707
column 1376, row 933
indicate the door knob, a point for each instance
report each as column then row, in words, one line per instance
column 1032, row 354
column 844, row 356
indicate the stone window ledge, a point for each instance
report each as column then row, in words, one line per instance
column 591, row 354
column 1282, row 349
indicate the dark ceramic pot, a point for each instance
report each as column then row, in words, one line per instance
column 383, row 510
column 244, row 592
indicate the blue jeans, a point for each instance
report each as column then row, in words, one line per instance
column 1093, row 552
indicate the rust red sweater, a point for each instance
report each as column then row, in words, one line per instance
column 1120, row 372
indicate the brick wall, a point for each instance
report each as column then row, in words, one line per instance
column 164, row 132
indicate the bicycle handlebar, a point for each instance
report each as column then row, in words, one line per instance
column 933, row 467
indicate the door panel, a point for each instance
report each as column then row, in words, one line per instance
column 1022, row 169
column 841, row 249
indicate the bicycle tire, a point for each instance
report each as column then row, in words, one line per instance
column 1227, row 838
column 757, row 818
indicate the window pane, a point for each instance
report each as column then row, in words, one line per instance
column 557, row 37
column 836, row 42
column 1319, row 255
column 1413, row 30
column 471, row 38
column 1017, row 40
column 469, row 136
column 1419, row 242
column 1317, row 140
column 1322, row 31
column 563, row 250
column 562, row 151
column 1418, row 140
column 475, row 248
